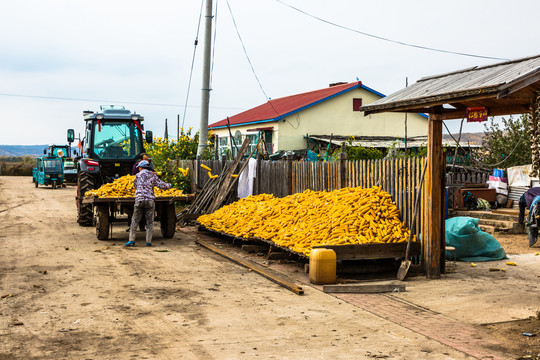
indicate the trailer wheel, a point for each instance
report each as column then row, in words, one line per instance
column 102, row 222
column 85, row 182
column 168, row 220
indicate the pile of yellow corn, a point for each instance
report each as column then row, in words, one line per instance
column 312, row 218
column 124, row 187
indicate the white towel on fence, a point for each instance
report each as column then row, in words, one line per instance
column 245, row 180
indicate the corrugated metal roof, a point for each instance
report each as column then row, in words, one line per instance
column 382, row 141
column 467, row 82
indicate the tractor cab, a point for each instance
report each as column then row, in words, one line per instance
column 61, row 151
column 113, row 140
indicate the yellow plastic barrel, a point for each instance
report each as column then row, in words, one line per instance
column 322, row 266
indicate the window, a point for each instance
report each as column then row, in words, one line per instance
column 252, row 143
column 53, row 166
column 238, row 142
column 223, row 145
column 116, row 141
column 356, row 104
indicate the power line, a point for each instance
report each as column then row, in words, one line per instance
column 387, row 39
column 214, row 46
column 192, row 64
column 247, row 57
column 113, row 101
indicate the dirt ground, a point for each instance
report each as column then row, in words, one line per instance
column 523, row 335
column 66, row 295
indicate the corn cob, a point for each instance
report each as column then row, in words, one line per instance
column 123, row 187
column 303, row 220
column 184, row 171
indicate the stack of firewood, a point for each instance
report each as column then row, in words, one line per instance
column 217, row 191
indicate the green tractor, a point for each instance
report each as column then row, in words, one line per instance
column 112, row 142
column 64, row 152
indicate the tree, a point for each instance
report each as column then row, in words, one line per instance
column 162, row 151
column 505, row 145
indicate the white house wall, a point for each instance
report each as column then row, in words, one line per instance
column 337, row 116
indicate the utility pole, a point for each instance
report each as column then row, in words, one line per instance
column 205, row 98
column 166, row 136
column 406, row 84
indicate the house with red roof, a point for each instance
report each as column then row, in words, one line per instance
column 287, row 122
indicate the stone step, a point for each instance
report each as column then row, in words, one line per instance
column 493, row 215
column 487, row 228
column 511, row 227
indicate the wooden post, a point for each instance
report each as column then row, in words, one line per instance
column 442, row 252
column 342, row 178
column 198, row 182
column 432, row 241
column 290, row 187
column 258, row 177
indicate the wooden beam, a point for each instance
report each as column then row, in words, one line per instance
column 492, row 111
column 364, row 288
column 432, row 240
column 432, row 101
column 263, row 272
column 454, row 114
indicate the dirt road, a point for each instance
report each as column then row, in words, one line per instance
column 66, row 295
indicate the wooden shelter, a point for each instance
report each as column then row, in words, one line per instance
column 511, row 87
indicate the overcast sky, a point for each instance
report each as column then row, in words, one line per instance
column 60, row 57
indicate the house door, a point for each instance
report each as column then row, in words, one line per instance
column 268, row 141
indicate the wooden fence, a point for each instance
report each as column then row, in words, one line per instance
column 399, row 177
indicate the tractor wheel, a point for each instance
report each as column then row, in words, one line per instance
column 54, row 184
column 85, row 214
column 168, row 220
column 102, row 222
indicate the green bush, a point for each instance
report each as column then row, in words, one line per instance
column 16, row 168
column 363, row 153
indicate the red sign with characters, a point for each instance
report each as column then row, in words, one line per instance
column 477, row 114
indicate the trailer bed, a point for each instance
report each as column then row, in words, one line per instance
column 105, row 210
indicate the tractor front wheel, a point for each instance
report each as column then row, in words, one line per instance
column 168, row 220
column 102, row 222
column 85, row 214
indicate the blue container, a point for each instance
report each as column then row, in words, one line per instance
column 497, row 173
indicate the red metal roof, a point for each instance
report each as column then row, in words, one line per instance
column 278, row 108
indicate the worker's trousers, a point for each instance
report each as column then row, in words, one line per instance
column 146, row 208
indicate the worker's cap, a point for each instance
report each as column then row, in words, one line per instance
column 144, row 164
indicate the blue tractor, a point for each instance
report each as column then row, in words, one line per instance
column 49, row 170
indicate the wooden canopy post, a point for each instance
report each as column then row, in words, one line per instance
column 433, row 239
